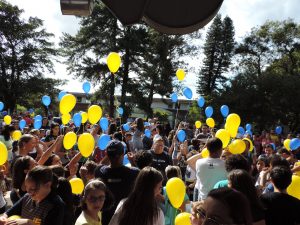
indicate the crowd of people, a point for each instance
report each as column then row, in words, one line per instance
column 126, row 183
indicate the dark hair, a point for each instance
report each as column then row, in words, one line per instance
column 49, row 161
column 236, row 161
column 97, row 184
column 173, row 171
column 40, row 175
column 161, row 130
column 214, row 145
column 90, row 166
column 196, row 143
column 112, row 128
column 140, row 124
column 118, row 136
column 236, row 203
column 24, row 139
column 281, row 177
column 277, row 160
column 53, row 125
column 143, row 159
column 58, row 170
column 19, row 166
column 6, row 131
column 64, row 190
column 242, row 181
column 141, row 208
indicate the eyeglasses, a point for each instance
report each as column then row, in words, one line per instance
column 93, row 199
column 200, row 213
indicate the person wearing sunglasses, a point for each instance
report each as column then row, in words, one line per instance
column 96, row 197
column 223, row 206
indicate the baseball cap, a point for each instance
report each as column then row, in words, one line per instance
column 157, row 137
column 115, row 147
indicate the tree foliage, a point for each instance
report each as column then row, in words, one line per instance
column 25, row 55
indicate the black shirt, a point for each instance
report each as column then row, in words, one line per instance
column 160, row 162
column 281, row 209
column 49, row 211
column 119, row 181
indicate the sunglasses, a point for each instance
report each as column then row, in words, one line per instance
column 208, row 220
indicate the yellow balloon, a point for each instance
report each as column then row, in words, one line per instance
column 3, row 153
column 16, row 135
column 86, row 144
column 113, row 61
column 198, row 124
column 237, row 146
column 180, row 74
column 224, row 136
column 84, row 117
column 7, row 119
column 294, row 188
column 210, row 122
column 77, row 186
column 67, row 103
column 232, row 124
column 175, row 189
column 183, row 219
column 286, row 144
column 94, row 113
column 205, row 153
column 14, row 217
column 251, row 144
column 65, row 118
column 32, row 114
column 69, row 140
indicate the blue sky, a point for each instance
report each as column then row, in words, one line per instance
column 244, row 13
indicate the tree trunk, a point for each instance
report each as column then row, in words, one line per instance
column 125, row 82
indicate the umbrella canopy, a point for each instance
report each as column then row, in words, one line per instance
column 167, row 16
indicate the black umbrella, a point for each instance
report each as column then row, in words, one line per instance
column 166, row 16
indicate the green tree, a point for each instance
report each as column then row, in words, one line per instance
column 99, row 35
column 218, row 52
column 264, row 91
column 25, row 55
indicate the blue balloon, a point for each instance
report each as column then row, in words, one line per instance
column 22, row 124
column 241, row 130
column 103, row 141
column 77, row 119
column 37, row 124
column 1, row 106
column 38, row 117
column 126, row 160
column 147, row 133
column 224, row 110
column 278, row 130
column 31, row 111
column 46, row 100
column 86, row 86
column 174, row 97
column 295, row 143
column 4, row 113
column 120, row 110
column 146, row 124
column 201, row 102
column 104, row 123
column 249, row 132
column 126, row 127
column 209, row 111
column 61, row 94
column 248, row 126
column 187, row 92
column 181, row 135
column 273, row 146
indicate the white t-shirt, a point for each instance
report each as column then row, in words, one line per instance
column 115, row 219
column 208, row 172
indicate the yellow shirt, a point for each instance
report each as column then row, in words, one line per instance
column 85, row 219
